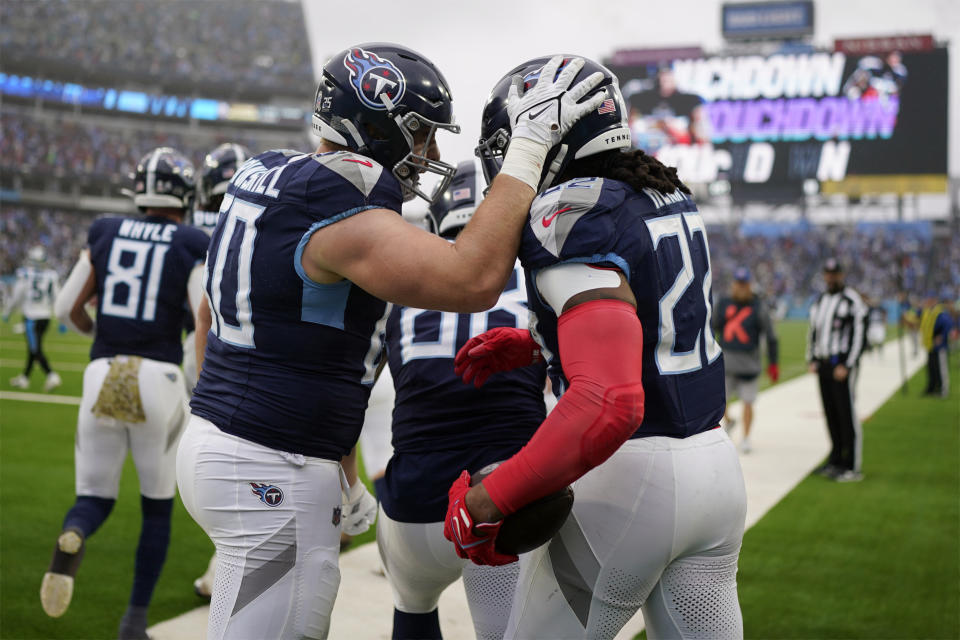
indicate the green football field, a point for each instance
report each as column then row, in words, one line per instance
column 879, row 559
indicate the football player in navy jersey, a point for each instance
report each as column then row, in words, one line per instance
column 218, row 167
column 618, row 278
column 307, row 252
column 141, row 271
column 441, row 426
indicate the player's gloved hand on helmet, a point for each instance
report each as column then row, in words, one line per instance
column 471, row 540
column 359, row 509
column 499, row 349
column 543, row 114
column 773, row 372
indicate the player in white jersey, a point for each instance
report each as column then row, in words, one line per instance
column 142, row 271
column 36, row 287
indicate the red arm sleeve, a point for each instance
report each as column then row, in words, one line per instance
column 601, row 347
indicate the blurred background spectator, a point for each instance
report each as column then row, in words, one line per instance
column 228, row 47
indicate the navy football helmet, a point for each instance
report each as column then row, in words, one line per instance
column 219, row 166
column 164, row 178
column 385, row 101
column 453, row 209
column 605, row 129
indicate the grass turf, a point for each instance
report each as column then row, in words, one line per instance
column 876, row 559
column 37, row 489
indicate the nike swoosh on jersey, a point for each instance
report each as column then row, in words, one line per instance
column 365, row 163
column 547, row 220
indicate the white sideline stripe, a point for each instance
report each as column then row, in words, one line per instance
column 39, row 397
column 60, row 366
column 789, row 439
column 52, row 347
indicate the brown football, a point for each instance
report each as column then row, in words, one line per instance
column 534, row 524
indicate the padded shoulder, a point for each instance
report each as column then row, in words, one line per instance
column 571, row 220
column 361, row 172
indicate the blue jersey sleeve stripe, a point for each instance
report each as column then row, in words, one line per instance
column 316, row 226
column 600, row 257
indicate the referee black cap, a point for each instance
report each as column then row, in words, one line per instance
column 832, row 265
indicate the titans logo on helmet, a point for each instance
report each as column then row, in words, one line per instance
column 269, row 494
column 373, row 77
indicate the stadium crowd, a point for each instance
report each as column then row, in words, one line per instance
column 62, row 233
column 785, row 268
column 880, row 261
column 70, row 148
column 227, row 43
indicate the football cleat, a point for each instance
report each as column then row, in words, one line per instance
column 20, row 382
column 848, row 475
column 52, row 382
column 56, row 590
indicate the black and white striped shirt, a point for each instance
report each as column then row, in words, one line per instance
column 837, row 328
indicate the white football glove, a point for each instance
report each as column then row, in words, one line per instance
column 542, row 115
column 549, row 108
column 359, row 509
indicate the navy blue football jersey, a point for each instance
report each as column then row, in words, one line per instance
column 289, row 362
column 659, row 242
column 441, row 425
column 142, row 266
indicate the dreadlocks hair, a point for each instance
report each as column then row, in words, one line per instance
column 633, row 167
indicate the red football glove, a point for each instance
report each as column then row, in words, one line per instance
column 473, row 541
column 774, row 372
column 500, row 349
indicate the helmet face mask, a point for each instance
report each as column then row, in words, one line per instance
column 163, row 179
column 387, row 102
column 602, row 130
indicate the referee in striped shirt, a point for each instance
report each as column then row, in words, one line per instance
column 834, row 344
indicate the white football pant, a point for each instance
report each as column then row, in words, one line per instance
column 420, row 563
column 102, row 442
column 658, row 525
column 275, row 520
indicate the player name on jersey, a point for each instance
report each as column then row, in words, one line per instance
column 150, row 231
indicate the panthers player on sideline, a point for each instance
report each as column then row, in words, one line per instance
column 141, row 270
column 306, row 253
column 618, row 277
column 36, row 288
column 440, row 426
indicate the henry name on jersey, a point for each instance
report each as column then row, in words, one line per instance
column 658, row 241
